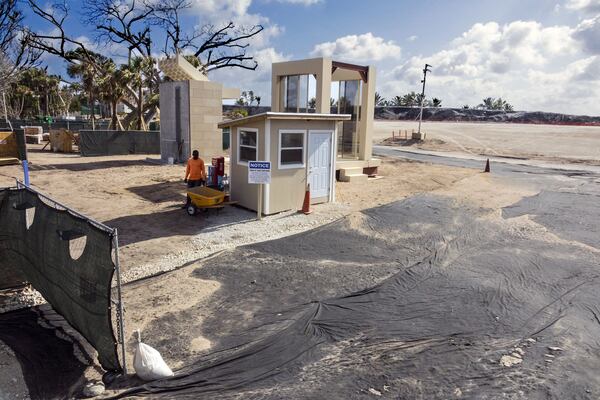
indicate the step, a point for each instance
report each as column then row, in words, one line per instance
column 355, row 178
column 351, row 170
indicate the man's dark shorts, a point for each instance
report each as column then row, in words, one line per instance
column 191, row 183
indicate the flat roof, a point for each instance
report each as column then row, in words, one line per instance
column 286, row 115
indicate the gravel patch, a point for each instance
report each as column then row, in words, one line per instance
column 237, row 227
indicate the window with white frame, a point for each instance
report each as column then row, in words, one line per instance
column 291, row 148
column 247, row 145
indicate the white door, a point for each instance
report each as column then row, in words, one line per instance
column 319, row 163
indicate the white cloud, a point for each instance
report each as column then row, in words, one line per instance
column 412, row 38
column 302, row 2
column 259, row 80
column 220, row 12
column 553, row 68
column 588, row 33
column 365, row 47
column 586, row 6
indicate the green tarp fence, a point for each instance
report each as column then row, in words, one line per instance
column 112, row 143
column 67, row 258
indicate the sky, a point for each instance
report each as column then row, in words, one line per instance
column 540, row 55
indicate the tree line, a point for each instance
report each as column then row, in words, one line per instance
column 413, row 99
column 95, row 81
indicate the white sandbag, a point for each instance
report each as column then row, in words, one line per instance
column 148, row 363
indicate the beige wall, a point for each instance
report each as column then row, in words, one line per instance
column 286, row 191
column 321, row 68
column 205, row 113
column 367, row 115
column 244, row 193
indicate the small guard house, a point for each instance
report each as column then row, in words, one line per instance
column 302, row 150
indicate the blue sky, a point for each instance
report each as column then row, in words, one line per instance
column 540, row 55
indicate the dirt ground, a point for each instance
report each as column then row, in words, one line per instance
column 558, row 143
column 236, row 304
column 204, row 305
column 143, row 200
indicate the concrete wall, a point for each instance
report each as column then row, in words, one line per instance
column 206, row 111
column 200, row 111
column 321, row 68
column 174, row 129
column 367, row 115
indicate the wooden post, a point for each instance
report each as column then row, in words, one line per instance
column 259, row 208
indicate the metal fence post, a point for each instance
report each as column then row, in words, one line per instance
column 120, row 309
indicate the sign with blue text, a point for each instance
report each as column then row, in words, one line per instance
column 259, row 172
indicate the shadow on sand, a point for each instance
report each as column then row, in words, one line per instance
column 176, row 222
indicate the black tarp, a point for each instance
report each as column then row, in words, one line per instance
column 67, row 259
column 110, row 143
column 463, row 291
column 45, row 354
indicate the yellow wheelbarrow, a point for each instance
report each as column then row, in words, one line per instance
column 203, row 198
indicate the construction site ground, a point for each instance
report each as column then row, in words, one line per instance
column 552, row 143
column 479, row 328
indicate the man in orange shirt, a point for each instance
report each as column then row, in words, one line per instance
column 195, row 175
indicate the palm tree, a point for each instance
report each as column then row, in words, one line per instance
column 420, row 98
column 137, row 73
column 85, row 67
column 487, row 103
column 410, row 100
column 397, row 101
column 112, row 85
column 435, row 102
column 379, row 100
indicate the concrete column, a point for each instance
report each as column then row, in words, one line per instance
column 367, row 114
column 324, row 87
column 275, row 91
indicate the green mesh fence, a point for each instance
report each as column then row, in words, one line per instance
column 67, row 258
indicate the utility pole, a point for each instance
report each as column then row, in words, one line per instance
column 425, row 71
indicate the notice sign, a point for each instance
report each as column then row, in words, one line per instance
column 259, row 172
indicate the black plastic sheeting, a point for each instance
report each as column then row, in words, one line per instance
column 42, row 252
column 50, row 369
column 111, row 143
column 572, row 215
column 464, row 292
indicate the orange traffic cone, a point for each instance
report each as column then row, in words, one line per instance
column 306, row 204
column 487, row 166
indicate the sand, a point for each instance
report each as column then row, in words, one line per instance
column 546, row 142
column 142, row 199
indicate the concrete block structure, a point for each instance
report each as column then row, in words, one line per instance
column 190, row 110
column 356, row 96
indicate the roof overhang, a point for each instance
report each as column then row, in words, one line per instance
column 285, row 116
column 361, row 69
